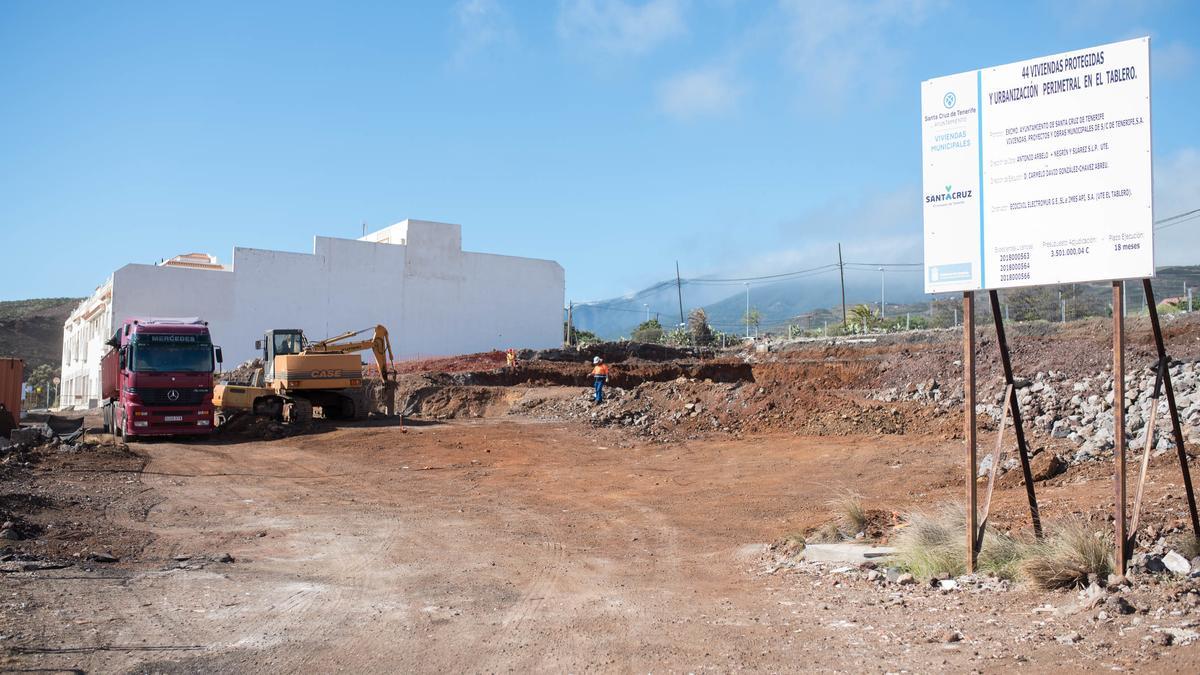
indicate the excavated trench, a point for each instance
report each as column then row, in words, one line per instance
column 492, row 392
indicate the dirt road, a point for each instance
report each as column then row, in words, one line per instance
column 512, row 546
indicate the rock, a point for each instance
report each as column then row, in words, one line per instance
column 1046, row 465
column 948, row 584
column 1119, row 604
column 1060, row 429
column 1177, row 563
column 1154, row 564
column 103, row 558
column 1069, row 638
column 1164, row 639
column 948, row 636
column 905, row 579
column 10, row 534
column 223, row 558
column 29, row 435
column 985, row 466
column 181, row 557
column 892, row 574
column 1117, row 580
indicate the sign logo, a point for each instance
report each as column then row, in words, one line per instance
column 949, row 99
column 949, row 196
column 173, row 395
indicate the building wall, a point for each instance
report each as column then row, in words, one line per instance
column 434, row 298
column 84, row 334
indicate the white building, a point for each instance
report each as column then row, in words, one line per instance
column 412, row 277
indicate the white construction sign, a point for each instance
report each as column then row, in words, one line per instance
column 1038, row 172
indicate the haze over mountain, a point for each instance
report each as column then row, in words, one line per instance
column 725, row 303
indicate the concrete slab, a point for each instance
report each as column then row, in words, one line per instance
column 846, row 553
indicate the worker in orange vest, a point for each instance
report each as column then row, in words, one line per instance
column 599, row 377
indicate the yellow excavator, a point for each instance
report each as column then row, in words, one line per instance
column 297, row 376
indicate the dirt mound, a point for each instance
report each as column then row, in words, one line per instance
column 244, row 373
column 59, row 500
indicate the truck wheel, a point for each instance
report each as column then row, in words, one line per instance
column 124, row 431
column 107, row 417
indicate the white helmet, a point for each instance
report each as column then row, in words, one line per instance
column 596, row 359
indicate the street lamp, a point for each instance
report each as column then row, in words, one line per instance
column 882, row 301
column 747, row 309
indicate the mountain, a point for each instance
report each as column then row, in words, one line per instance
column 32, row 330
column 813, row 300
column 778, row 302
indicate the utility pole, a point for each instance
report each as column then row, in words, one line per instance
column 1062, row 309
column 882, row 297
column 842, row 274
column 571, row 323
column 679, row 290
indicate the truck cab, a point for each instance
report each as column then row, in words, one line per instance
column 157, row 379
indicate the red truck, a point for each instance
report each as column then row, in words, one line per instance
column 157, row 380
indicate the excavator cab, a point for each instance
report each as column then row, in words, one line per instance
column 279, row 342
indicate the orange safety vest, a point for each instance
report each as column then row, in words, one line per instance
column 600, row 370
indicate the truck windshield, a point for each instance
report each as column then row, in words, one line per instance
column 160, row 353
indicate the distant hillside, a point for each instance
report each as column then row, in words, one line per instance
column 813, row 301
column 32, row 330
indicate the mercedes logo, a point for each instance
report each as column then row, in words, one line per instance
column 173, row 395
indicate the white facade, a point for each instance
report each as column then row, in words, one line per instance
column 413, row 277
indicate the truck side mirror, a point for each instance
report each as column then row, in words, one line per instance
column 258, row 345
column 220, row 357
column 121, row 359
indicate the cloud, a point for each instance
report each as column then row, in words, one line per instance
column 833, row 45
column 617, row 27
column 704, row 92
column 481, row 25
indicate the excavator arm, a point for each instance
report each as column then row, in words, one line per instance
column 379, row 344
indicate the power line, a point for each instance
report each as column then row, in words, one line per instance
column 1178, row 215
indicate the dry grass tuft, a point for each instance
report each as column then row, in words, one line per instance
column 829, row 533
column 848, row 511
column 1065, row 558
column 934, row 543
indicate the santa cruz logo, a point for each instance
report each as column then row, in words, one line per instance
column 950, row 195
column 949, row 100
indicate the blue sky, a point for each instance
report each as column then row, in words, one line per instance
column 612, row 136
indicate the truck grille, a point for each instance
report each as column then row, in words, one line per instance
column 169, row 396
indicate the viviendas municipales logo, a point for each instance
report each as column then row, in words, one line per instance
column 949, row 196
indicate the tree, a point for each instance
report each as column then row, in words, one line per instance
column 698, row 327
column 41, row 380
column 752, row 319
column 862, row 318
column 648, row 331
column 580, row 336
